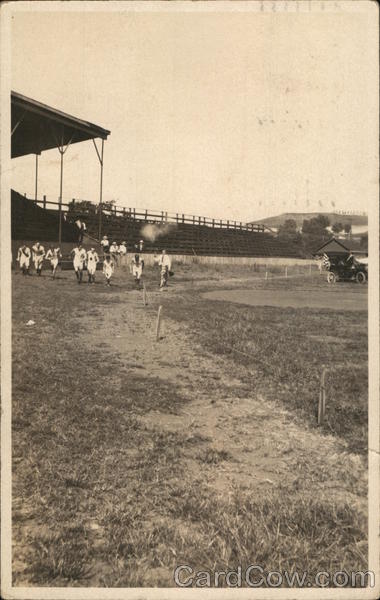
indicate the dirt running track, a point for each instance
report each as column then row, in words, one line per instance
column 260, row 437
column 334, row 298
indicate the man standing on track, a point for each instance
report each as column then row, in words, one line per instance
column 105, row 244
column 123, row 253
column 38, row 257
column 79, row 260
column 91, row 262
column 23, row 259
column 166, row 264
column 114, row 251
column 53, row 254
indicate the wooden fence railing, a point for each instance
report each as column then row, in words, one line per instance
column 147, row 215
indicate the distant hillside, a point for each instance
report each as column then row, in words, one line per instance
column 355, row 220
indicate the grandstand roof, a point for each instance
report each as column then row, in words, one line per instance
column 335, row 246
column 37, row 127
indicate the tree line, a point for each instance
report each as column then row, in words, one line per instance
column 313, row 232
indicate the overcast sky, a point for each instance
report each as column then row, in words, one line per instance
column 226, row 115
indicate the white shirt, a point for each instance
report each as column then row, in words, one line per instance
column 105, row 243
column 79, row 255
column 165, row 261
column 114, row 248
column 23, row 252
column 53, row 253
column 38, row 251
column 122, row 249
column 92, row 257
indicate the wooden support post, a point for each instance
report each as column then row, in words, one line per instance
column 286, row 271
column 266, row 274
column 44, row 201
column 322, row 398
column 158, row 325
column 310, row 269
column 144, row 295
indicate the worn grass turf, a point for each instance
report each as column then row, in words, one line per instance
column 101, row 498
column 285, row 350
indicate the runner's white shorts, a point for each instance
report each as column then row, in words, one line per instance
column 91, row 268
column 78, row 265
column 24, row 262
column 137, row 271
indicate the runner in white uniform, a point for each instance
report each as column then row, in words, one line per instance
column 91, row 262
column 166, row 264
column 38, row 257
column 23, row 258
column 53, row 254
column 137, row 265
column 108, row 269
column 80, row 256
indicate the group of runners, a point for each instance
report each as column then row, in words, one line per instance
column 89, row 259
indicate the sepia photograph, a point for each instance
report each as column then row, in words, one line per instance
column 190, row 299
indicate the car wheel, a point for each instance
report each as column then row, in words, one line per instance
column 331, row 277
column 360, row 277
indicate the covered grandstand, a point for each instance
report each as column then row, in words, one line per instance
column 37, row 127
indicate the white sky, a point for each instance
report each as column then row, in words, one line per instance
column 236, row 116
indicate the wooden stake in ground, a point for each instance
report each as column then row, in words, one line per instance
column 159, row 316
column 310, row 269
column 144, row 295
column 266, row 274
column 322, row 398
column 286, row 271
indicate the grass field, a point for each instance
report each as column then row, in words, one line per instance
column 132, row 456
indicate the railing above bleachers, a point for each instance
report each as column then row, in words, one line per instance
column 76, row 207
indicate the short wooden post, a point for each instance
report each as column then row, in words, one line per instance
column 158, row 323
column 266, row 274
column 322, row 398
column 286, row 271
column 310, row 269
column 144, row 294
column 44, row 201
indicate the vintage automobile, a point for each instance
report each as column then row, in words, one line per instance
column 347, row 268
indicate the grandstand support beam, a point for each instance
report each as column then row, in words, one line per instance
column 18, row 123
column 62, row 151
column 60, row 200
column 100, row 158
column 36, row 180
